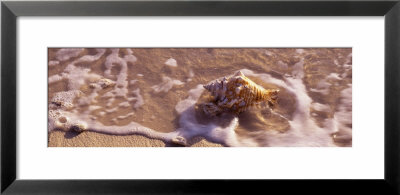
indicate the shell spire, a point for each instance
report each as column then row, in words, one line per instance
column 239, row 73
column 236, row 93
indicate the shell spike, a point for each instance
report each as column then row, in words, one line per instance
column 239, row 73
column 208, row 87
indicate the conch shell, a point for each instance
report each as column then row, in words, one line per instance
column 237, row 93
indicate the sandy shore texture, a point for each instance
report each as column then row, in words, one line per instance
column 93, row 139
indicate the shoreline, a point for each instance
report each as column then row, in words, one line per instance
column 94, row 139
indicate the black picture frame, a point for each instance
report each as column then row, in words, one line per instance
column 10, row 10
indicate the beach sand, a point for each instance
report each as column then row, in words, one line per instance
column 93, row 139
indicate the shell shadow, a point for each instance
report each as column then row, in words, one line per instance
column 71, row 134
column 260, row 119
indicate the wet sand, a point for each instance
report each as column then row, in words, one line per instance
column 93, row 139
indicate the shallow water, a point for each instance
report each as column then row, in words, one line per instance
column 156, row 93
